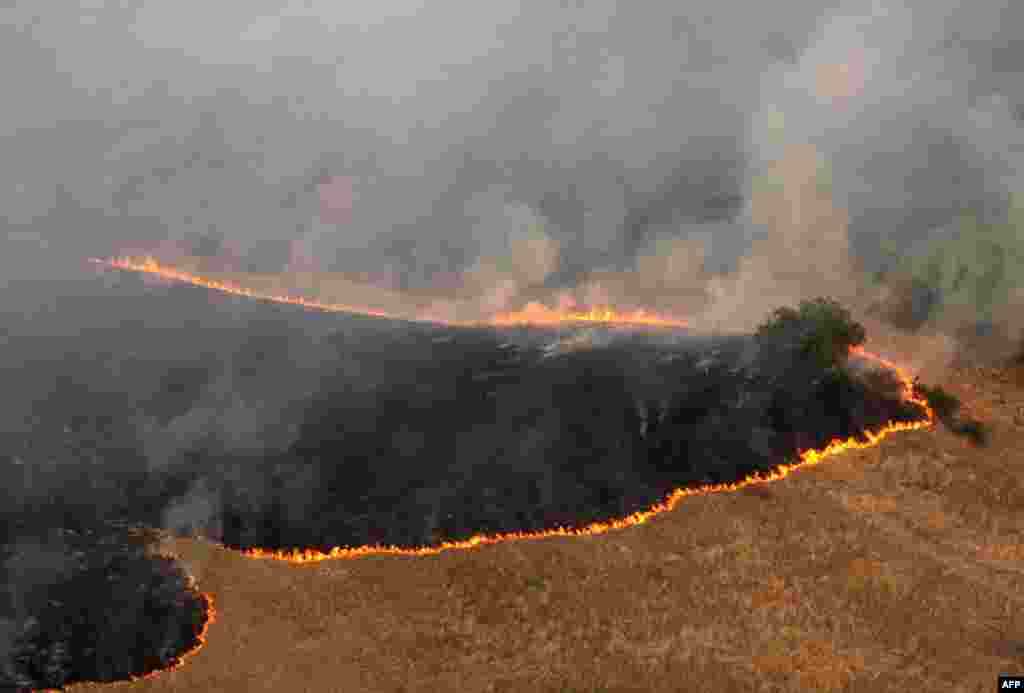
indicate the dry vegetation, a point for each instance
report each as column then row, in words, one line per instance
column 885, row 568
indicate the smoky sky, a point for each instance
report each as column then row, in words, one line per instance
column 660, row 154
column 612, row 126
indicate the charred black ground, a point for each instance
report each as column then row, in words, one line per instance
column 467, row 433
column 93, row 607
column 268, row 426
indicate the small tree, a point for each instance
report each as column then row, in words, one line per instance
column 820, row 330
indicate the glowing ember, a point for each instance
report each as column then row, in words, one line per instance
column 532, row 314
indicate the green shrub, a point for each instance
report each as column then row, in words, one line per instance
column 820, row 330
column 977, row 431
column 944, row 404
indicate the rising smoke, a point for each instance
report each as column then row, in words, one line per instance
column 712, row 160
column 706, row 157
column 709, row 159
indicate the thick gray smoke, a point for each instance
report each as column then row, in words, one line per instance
column 710, row 159
column 466, row 131
column 493, row 154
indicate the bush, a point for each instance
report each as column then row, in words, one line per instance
column 944, row 404
column 977, row 431
column 820, row 330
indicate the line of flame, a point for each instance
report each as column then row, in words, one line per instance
column 150, row 266
column 538, row 314
column 178, row 661
column 806, row 458
column 531, row 314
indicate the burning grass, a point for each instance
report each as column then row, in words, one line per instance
column 533, row 313
column 90, row 607
column 469, row 434
column 712, row 423
column 424, row 438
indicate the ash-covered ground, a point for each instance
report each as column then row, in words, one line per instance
column 261, row 425
column 93, row 606
column 461, row 432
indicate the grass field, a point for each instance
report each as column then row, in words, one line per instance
column 883, row 568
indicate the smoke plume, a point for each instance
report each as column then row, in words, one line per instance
column 712, row 160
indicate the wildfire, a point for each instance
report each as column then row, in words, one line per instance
column 211, row 615
column 908, row 383
column 533, row 314
column 537, row 314
column 151, row 267
column 806, row 458
column 179, row 661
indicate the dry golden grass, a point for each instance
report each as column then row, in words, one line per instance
column 884, row 568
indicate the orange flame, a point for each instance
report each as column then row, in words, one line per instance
column 150, row 266
column 178, row 661
column 806, row 458
column 532, row 314
column 211, row 616
column 537, row 314
column 908, row 382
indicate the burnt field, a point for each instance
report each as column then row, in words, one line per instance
column 464, row 433
column 266, row 426
column 94, row 606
